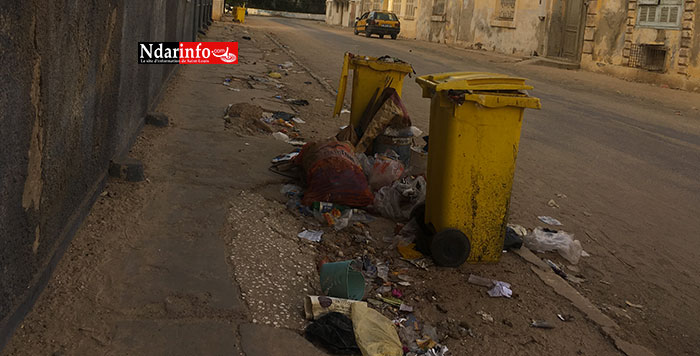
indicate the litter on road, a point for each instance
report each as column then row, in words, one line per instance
column 549, row 220
column 544, row 239
column 541, row 324
column 311, row 235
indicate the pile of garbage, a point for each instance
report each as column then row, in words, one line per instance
column 343, row 182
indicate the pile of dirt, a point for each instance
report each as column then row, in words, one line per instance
column 246, row 119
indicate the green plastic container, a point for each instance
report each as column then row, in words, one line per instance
column 340, row 280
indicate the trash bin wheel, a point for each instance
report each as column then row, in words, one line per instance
column 393, row 37
column 368, row 34
column 381, row 36
column 450, row 248
column 355, row 30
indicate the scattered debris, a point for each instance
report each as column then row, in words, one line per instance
column 311, row 235
column 386, row 169
column 374, row 333
column 285, row 157
column 544, row 239
column 318, row 306
column 549, row 220
column 500, row 289
column 299, row 102
column 246, row 38
column 553, row 204
column 630, row 304
column 575, row 279
column 344, row 111
column 556, row 269
column 342, row 280
column 518, row 229
column 398, row 200
column 274, row 75
column 565, row 317
column 333, row 331
column 333, row 174
column 496, row 288
column 513, row 240
column 480, row 281
column 438, row 350
column 541, row 324
column 281, row 136
column 485, row 316
column 408, row 251
column 405, row 308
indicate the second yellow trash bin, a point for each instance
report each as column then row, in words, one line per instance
column 475, row 122
column 239, row 14
column 370, row 76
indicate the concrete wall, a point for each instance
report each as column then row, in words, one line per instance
column 217, row 9
column 611, row 32
column 72, row 98
column 473, row 23
column 292, row 15
column 339, row 13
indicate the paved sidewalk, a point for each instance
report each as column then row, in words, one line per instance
column 148, row 273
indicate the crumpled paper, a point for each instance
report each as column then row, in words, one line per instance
column 500, row 289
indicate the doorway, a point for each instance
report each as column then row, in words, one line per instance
column 566, row 30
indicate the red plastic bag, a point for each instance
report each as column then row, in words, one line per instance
column 333, row 174
column 385, row 171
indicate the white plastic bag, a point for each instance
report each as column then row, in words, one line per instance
column 552, row 240
column 398, row 200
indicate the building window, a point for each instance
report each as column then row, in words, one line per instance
column 660, row 13
column 410, row 9
column 366, row 6
column 396, row 7
column 648, row 56
column 505, row 10
column 376, row 5
column 439, row 7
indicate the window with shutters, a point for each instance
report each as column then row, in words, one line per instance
column 439, row 7
column 396, row 7
column 410, row 9
column 505, row 10
column 659, row 13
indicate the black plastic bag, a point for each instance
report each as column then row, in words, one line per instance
column 334, row 332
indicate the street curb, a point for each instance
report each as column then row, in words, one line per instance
column 606, row 326
column 320, row 80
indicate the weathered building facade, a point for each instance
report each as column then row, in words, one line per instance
column 646, row 40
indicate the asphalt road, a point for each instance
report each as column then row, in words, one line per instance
column 626, row 156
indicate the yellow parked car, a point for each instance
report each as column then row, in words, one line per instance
column 378, row 22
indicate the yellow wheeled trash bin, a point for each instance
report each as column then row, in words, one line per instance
column 475, row 121
column 239, row 14
column 370, row 76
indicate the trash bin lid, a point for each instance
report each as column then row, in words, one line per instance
column 488, row 89
column 471, row 81
column 381, row 64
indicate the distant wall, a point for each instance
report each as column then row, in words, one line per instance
column 293, row 15
column 301, row 6
column 72, row 97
